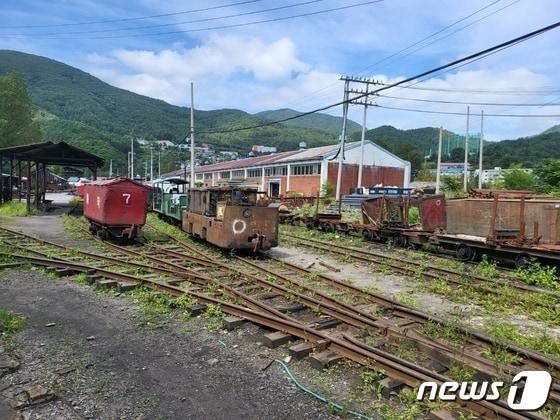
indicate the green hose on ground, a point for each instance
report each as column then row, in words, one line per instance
column 321, row 398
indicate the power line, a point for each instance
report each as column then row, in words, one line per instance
column 521, row 92
column 441, row 31
column 422, row 40
column 468, row 59
column 272, row 9
column 206, row 9
column 467, row 103
column 237, row 25
column 425, row 111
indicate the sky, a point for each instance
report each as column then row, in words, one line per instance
column 296, row 62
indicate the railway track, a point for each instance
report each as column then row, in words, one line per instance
column 396, row 324
column 405, row 266
column 166, row 268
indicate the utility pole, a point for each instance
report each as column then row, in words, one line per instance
column 342, row 139
column 128, row 164
column 159, row 164
column 466, row 165
column 438, row 170
column 480, row 149
column 132, row 157
column 362, row 144
column 192, row 136
column 151, row 163
column 365, row 102
column 111, row 169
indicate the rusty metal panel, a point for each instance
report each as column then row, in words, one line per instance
column 432, row 212
column 371, row 210
column 240, row 227
column 472, row 216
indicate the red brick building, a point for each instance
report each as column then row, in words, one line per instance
column 304, row 171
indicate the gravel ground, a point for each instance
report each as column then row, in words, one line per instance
column 100, row 363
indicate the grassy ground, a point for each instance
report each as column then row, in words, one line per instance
column 15, row 208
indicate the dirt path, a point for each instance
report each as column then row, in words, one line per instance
column 118, row 369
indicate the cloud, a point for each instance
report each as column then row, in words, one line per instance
column 251, row 74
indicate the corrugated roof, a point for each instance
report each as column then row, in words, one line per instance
column 315, row 153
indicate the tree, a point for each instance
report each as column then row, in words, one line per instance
column 517, row 179
column 549, row 174
column 16, row 112
column 457, row 155
column 452, row 185
column 425, row 175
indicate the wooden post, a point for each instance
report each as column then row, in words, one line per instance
column 37, row 185
column 28, row 198
column 1, row 180
column 19, row 180
column 10, row 180
column 44, row 182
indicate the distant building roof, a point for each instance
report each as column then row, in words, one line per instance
column 314, row 153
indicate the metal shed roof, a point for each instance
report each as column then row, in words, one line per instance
column 51, row 153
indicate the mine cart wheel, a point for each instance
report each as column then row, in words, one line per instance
column 522, row 260
column 328, row 228
column 103, row 234
column 367, row 235
column 401, row 241
column 93, row 229
column 465, row 252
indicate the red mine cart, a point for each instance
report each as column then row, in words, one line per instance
column 116, row 208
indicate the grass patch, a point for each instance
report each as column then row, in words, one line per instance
column 487, row 268
column 542, row 342
column 12, row 323
column 151, row 303
column 538, row 275
column 17, row 209
column 449, row 333
column 215, row 316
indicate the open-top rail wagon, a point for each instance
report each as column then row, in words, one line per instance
column 116, row 208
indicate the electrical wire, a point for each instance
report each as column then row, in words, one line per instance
column 422, row 40
column 206, row 9
column 425, row 111
column 455, row 64
column 214, row 28
column 468, row 103
column 521, row 92
column 442, row 37
column 272, row 9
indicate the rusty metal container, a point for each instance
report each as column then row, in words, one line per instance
column 116, row 202
column 395, row 211
column 533, row 220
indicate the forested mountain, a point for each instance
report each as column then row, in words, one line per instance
column 407, row 144
column 317, row 121
column 529, row 151
column 414, row 144
column 81, row 109
column 91, row 113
